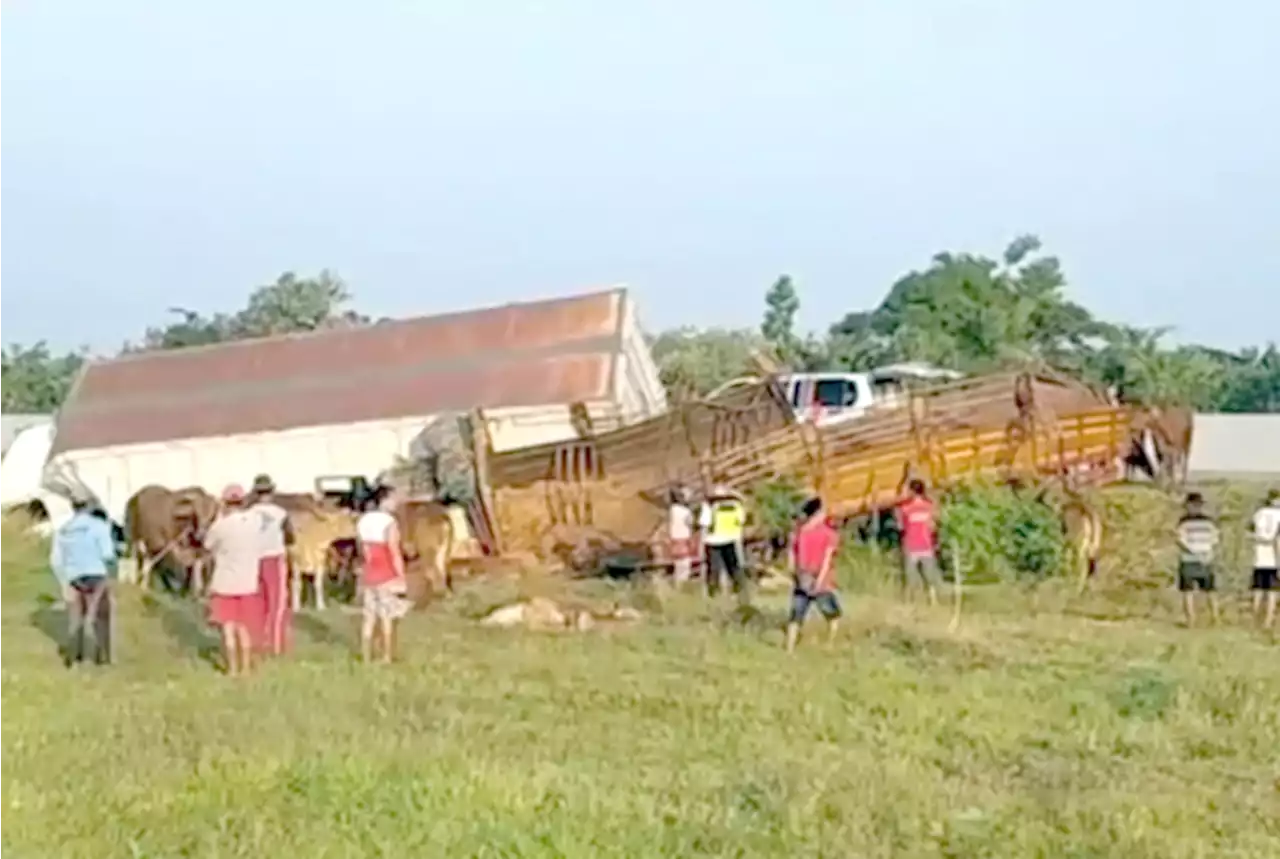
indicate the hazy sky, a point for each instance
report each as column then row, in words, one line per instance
column 445, row 154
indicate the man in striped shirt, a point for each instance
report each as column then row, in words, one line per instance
column 1198, row 538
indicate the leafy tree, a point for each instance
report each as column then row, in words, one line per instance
column 1252, row 382
column 1020, row 248
column 191, row 329
column 289, row 305
column 976, row 314
column 778, row 328
column 36, row 379
column 852, row 344
column 694, row 362
column 1135, row 361
column 294, row 304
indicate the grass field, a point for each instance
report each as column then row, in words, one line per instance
column 1063, row 733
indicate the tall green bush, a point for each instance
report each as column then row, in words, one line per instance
column 1002, row 533
column 775, row 505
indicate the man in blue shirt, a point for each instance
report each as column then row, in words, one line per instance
column 83, row 558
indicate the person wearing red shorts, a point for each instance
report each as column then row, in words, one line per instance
column 680, row 536
column 234, row 542
column 275, row 632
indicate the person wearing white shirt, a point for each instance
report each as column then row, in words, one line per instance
column 680, row 536
column 1266, row 547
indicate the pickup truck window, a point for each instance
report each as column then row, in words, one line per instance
column 797, row 386
column 835, row 393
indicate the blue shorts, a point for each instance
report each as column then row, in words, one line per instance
column 827, row 601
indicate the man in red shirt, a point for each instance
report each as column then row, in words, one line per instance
column 917, row 522
column 813, row 552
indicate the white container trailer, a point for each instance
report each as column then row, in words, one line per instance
column 350, row 401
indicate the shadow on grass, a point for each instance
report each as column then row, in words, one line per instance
column 1105, row 614
column 184, row 623
column 321, row 631
column 751, row 618
column 51, row 619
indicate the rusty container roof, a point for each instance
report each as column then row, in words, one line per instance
column 527, row 354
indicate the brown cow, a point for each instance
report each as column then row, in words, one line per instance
column 316, row 531
column 164, row 529
column 1162, row 444
column 427, row 534
column 1082, row 525
column 324, row 544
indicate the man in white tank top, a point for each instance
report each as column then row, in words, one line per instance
column 276, row 533
column 382, row 575
column 1266, row 550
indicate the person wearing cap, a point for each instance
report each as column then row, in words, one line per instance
column 83, row 557
column 1266, row 548
column 273, row 568
column 722, row 520
column 234, row 542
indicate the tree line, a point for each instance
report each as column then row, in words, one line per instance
column 965, row 311
column 37, row 379
column 977, row 314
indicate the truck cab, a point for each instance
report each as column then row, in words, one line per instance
column 826, row 398
column 345, row 491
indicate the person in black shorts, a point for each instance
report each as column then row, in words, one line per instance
column 813, row 550
column 83, row 557
column 1266, row 548
column 1198, row 537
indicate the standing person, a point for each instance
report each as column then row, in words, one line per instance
column 813, row 552
column 1198, row 537
column 275, row 633
column 83, row 556
column 234, row 542
column 680, row 535
column 917, row 521
column 722, row 520
column 382, row 576
column 1266, row 549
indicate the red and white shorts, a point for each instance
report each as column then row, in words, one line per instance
column 683, row 549
column 386, row 601
column 242, row 609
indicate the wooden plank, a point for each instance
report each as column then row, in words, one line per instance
column 481, row 445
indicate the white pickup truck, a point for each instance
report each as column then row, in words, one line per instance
column 827, row 398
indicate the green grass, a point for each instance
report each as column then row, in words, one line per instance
column 1058, row 734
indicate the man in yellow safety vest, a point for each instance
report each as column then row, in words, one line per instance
column 723, row 519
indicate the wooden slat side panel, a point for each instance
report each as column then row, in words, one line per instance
column 977, row 428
